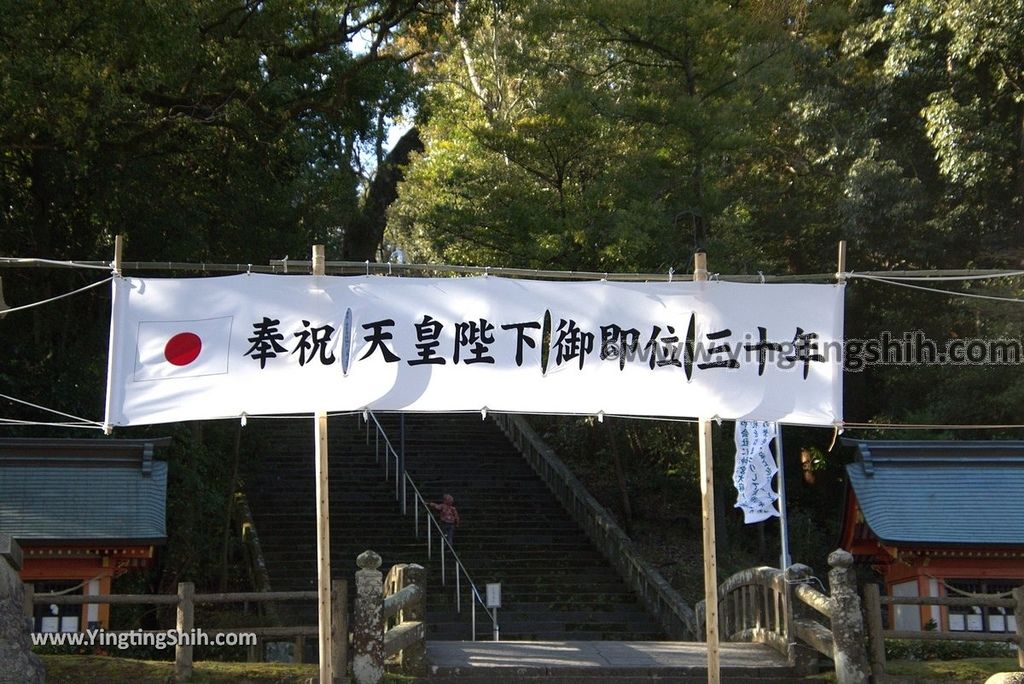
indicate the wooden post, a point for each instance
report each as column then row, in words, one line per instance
column 30, row 609
column 707, row 504
column 1018, row 616
column 115, row 265
column 323, row 525
column 841, row 269
column 339, row 627
column 876, row 642
column 323, row 549
column 118, row 252
column 319, row 260
column 185, row 623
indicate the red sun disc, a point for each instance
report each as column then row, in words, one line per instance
column 183, row 348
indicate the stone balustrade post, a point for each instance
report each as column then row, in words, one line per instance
column 849, row 651
column 18, row 664
column 368, row 621
column 803, row 658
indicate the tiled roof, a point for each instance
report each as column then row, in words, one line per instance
column 917, row 492
column 82, row 490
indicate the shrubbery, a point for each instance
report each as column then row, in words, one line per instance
column 912, row 649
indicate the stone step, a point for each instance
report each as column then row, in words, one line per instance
column 514, row 531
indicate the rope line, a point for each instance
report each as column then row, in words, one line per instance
column 53, row 299
column 50, row 410
column 889, row 281
column 969, row 594
column 367, row 268
column 983, row 274
column 31, row 423
column 18, row 261
column 926, row 426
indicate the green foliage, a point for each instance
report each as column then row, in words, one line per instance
column 606, row 135
column 607, row 144
column 899, row 649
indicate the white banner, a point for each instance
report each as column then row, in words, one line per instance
column 199, row 348
column 754, row 470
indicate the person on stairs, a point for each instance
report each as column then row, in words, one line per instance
column 449, row 516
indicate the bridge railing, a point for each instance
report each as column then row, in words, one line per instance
column 768, row 606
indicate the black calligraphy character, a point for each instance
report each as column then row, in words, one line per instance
column 728, row 362
column 428, row 332
column 620, row 344
column 805, row 349
column 265, row 341
column 572, row 343
column 522, row 338
column 669, row 349
column 377, row 337
column 476, row 338
column 313, row 342
column 762, row 348
column 650, row 349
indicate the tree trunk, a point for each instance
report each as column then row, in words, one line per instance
column 620, row 478
column 366, row 233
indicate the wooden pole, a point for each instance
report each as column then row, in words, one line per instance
column 1018, row 616
column 876, row 642
column 707, row 504
column 323, row 525
column 841, row 270
column 118, row 252
column 339, row 623
column 115, row 266
column 185, row 623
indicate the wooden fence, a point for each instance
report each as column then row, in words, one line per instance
column 185, row 601
column 875, row 603
column 389, row 618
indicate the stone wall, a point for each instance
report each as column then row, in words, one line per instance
column 20, row 664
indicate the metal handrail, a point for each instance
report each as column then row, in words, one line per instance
column 401, row 494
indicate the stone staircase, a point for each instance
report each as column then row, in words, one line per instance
column 555, row 585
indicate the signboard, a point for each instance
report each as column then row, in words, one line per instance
column 493, row 592
column 204, row 348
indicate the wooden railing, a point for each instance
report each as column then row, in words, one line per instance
column 875, row 603
column 389, row 620
column 753, row 606
column 404, row 611
column 768, row 606
column 665, row 603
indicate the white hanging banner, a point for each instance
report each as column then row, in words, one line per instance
column 754, row 470
column 201, row 348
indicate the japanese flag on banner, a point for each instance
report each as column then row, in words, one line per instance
column 182, row 349
column 755, row 468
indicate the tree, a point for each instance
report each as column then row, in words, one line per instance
column 203, row 131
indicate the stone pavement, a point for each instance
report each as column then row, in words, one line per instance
column 609, row 661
